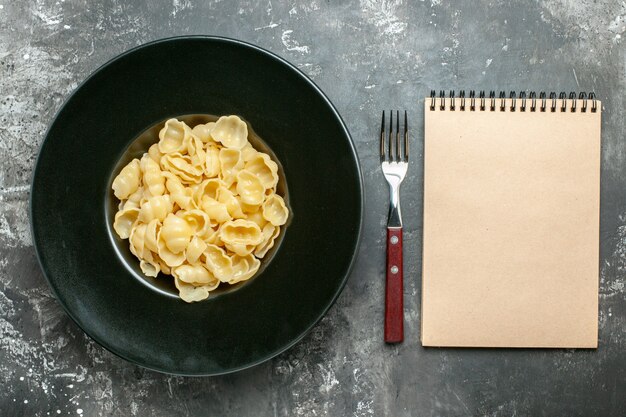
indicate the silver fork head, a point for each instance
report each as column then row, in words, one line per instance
column 397, row 153
column 394, row 163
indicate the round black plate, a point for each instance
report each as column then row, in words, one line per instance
column 196, row 75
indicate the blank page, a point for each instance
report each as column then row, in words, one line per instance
column 511, row 226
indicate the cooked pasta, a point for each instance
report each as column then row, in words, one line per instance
column 200, row 205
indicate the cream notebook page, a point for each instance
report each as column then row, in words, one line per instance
column 511, row 225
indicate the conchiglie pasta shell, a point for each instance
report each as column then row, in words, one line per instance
column 154, row 153
column 240, row 232
column 134, row 199
column 217, row 212
column 198, row 220
column 195, row 249
column 212, row 161
column 180, row 195
column 149, row 269
column 226, row 197
column 250, row 208
column 250, row 188
column 218, row 262
column 196, row 151
column 152, row 235
column 176, row 233
column 194, row 274
column 170, row 258
column 155, row 208
column 124, row 221
column 257, row 217
column 182, row 166
column 240, row 269
column 266, row 170
column 164, row 267
column 275, row 211
column 230, row 164
column 172, row 183
column 270, row 233
column 128, row 180
column 244, row 267
column 207, row 188
column 253, row 266
column 248, row 152
column 152, row 177
column 137, row 240
column 173, row 137
column 190, row 293
column 203, row 132
column 214, row 239
column 230, row 131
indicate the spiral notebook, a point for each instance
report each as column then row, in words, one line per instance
column 511, row 220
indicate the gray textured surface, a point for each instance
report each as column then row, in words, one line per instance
column 366, row 55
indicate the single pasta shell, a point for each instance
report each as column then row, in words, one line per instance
column 195, row 249
column 257, row 217
column 217, row 212
column 275, row 211
column 241, row 232
column 212, row 161
column 248, row 152
column 199, row 222
column 270, row 233
column 137, row 240
column 266, row 170
column 182, row 166
column 190, row 293
column 230, row 131
column 149, row 269
column 155, row 153
column 152, row 232
column 152, row 176
column 194, row 274
column 240, row 269
column 127, row 181
column 155, row 208
column 250, row 189
column 241, row 250
column 218, row 262
column 173, row 137
column 170, row 258
column 230, row 164
column 176, row 233
column 207, row 188
column 203, row 131
column 225, row 196
column 124, row 221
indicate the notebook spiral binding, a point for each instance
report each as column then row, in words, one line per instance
column 523, row 102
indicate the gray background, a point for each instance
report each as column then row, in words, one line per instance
column 366, row 55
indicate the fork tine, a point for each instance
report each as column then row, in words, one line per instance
column 382, row 139
column 398, row 149
column 390, row 135
column 406, row 138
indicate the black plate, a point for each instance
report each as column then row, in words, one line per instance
column 235, row 329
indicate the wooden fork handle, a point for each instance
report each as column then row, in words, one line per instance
column 394, row 294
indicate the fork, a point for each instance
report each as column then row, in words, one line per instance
column 394, row 166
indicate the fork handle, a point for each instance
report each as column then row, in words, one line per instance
column 394, row 294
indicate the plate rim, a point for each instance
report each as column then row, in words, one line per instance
column 103, row 343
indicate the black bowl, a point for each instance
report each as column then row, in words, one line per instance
column 70, row 196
